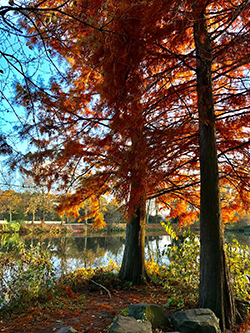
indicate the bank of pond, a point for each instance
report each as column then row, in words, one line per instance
column 32, row 266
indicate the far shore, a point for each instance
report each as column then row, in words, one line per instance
column 119, row 229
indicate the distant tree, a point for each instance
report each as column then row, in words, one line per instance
column 8, row 202
column 114, row 213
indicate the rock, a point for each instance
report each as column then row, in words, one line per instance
column 151, row 312
column 130, row 325
column 67, row 330
column 196, row 320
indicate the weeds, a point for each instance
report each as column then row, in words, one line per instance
column 25, row 278
column 31, row 276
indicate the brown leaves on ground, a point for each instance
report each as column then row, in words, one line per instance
column 93, row 312
column 86, row 312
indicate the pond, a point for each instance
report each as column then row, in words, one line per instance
column 72, row 252
column 76, row 251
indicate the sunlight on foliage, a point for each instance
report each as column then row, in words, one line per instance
column 169, row 229
column 181, row 276
column 25, row 278
column 239, row 265
column 82, row 277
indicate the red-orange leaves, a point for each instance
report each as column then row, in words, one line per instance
column 126, row 114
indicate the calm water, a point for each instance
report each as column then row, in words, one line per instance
column 70, row 253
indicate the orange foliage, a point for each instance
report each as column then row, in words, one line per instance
column 129, row 114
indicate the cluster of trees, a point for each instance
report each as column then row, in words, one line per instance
column 29, row 206
column 153, row 102
column 39, row 205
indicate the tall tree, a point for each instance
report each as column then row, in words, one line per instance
column 132, row 149
column 215, row 290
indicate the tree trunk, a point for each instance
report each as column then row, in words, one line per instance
column 148, row 211
column 10, row 213
column 133, row 267
column 43, row 216
column 215, row 290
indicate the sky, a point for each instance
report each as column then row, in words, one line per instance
column 16, row 56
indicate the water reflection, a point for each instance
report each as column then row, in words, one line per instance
column 70, row 253
column 242, row 237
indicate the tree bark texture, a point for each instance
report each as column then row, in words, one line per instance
column 133, row 267
column 215, row 289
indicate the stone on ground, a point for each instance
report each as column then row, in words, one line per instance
column 67, row 330
column 130, row 325
column 151, row 312
column 196, row 320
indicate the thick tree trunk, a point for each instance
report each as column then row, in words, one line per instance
column 133, row 267
column 215, row 289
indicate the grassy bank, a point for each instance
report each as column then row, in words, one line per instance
column 35, row 298
column 36, row 229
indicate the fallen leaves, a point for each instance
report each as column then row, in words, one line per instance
column 97, row 314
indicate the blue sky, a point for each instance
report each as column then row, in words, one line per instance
column 16, row 57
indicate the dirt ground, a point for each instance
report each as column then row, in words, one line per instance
column 96, row 315
column 91, row 312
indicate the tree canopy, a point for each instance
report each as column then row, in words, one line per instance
column 132, row 84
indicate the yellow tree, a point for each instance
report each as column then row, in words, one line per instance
column 9, row 202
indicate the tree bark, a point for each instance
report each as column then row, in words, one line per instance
column 133, row 267
column 33, row 218
column 10, row 214
column 215, row 289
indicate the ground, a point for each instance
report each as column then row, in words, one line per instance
column 94, row 315
column 93, row 312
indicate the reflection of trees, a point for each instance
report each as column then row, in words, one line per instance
column 242, row 238
column 112, row 244
column 153, row 248
column 115, row 244
column 69, row 249
column 70, row 252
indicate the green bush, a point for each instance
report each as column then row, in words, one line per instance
column 11, row 227
column 239, row 265
column 181, row 276
column 25, row 278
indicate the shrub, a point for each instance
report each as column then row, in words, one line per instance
column 11, row 227
column 181, row 276
column 239, row 265
column 25, row 278
column 82, row 278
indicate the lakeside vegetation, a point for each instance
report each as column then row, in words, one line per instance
column 32, row 280
column 26, row 229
